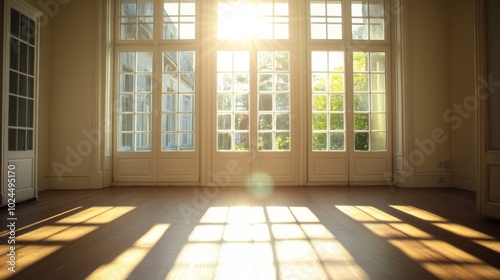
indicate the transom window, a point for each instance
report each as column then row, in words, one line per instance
column 245, row 20
column 137, row 19
column 368, row 22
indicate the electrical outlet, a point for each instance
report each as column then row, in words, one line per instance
column 440, row 180
column 442, row 164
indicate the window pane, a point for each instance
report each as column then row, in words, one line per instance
column 320, row 102
column 169, row 122
column 126, row 142
column 13, row 106
column 378, row 122
column 361, row 102
column 361, row 141
column 241, row 141
column 242, row 122
column 143, row 103
column 126, row 122
column 282, row 122
column 240, row 102
column 265, row 102
column 186, row 141
column 282, row 102
column 378, row 141
column 378, row 102
column 224, row 141
column 282, row 82
column 143, row 141
column 377, row 29
column 136, row 20
column 224, row 102
column 128, row 28
column 266, row 122
column 21, row 140
column 21, row 112
column 320, row 141
column 224, row 122
column 361, row 122
column 170, row 82
column 337, row 141
column 179, row 19
column 319, row 121
column 169, row 141
column 336, row 122
column 265, row 82
column 29, row 140
column 337, row 102
column 145, row 28
column 265, row 141
column 282, row 141
column 143, row 122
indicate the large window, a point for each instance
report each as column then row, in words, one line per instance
column 264, row 83
column 360, row 87
column 141, row 82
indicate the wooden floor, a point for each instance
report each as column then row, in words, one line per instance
column 232, row 233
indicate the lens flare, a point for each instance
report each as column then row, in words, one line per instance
column 260, row 184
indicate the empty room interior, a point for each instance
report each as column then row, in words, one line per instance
column 250, row 139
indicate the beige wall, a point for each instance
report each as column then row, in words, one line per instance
column 430, row 86
column 440, row 75
column 462, row 92
column 66, row 88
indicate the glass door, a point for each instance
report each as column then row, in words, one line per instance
column 254, row 95
column 20, row 103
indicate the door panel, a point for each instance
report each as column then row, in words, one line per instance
column 488, row 138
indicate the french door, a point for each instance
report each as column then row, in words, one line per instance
column 155, row 118
column 254, row 105
column 349, row 116
column 20, row 99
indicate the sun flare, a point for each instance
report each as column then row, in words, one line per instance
column 236, row 21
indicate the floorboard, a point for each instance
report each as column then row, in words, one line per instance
column 234, row 233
